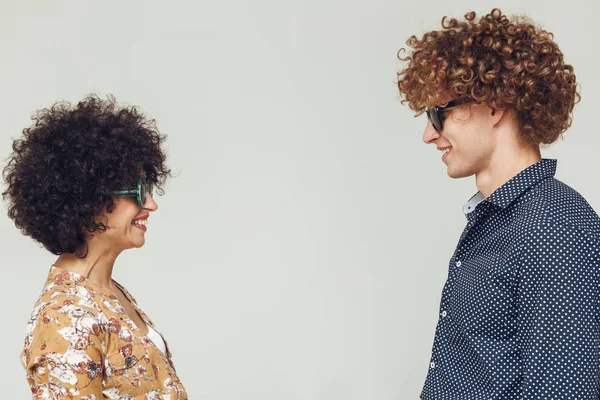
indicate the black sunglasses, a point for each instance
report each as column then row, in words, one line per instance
column 436, row 114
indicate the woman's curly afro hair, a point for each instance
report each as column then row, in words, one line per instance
column 64, row 170
column 504, row 64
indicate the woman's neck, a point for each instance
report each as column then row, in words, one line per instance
column 96, row 266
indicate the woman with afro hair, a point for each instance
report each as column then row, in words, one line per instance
column 80, row 182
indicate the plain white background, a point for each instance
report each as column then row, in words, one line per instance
column 302, row 249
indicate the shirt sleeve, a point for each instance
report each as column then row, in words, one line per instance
column 557, row 303
column 63, row 354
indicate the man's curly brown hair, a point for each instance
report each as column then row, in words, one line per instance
column 64, row 170
column 504, row 64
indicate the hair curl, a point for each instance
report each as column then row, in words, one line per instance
column 65, row 169
column 493, row 61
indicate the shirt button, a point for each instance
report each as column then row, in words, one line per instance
column 458, row 263
column 444, row 313
column 432, row 365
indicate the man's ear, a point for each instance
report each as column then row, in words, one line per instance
column 497, row 114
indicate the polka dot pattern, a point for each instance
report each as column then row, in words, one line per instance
column 519, row 316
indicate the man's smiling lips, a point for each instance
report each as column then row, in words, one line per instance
column 446, row 151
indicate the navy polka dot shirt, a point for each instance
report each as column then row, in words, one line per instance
column 519, row 316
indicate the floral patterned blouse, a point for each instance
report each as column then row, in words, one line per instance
column 81, row 344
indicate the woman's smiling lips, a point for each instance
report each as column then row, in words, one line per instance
column 141, row 222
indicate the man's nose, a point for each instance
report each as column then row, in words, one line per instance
column 430, row 133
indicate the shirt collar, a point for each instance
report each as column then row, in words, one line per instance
column 516, row 186
column 472, row 203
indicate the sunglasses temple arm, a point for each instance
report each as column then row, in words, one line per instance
column 125, row 192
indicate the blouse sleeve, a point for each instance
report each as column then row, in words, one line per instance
column 63, row 353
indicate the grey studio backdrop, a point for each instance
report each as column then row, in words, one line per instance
column 301, row 251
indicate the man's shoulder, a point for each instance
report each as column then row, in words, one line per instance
column 553, row 202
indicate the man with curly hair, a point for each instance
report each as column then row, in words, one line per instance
column 519, row 314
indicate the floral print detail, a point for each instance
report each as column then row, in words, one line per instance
column 81, row 344
column 94, row 370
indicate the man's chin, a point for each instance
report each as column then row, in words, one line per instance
column 454, row 174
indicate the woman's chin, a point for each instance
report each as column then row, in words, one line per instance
column 135, row 243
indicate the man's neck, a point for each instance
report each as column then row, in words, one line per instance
column 506, row 163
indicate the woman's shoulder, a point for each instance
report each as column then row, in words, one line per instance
column 64, row 288
column 67, row 299
column 67, row 316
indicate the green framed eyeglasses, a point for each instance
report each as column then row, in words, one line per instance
column 143, row 187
